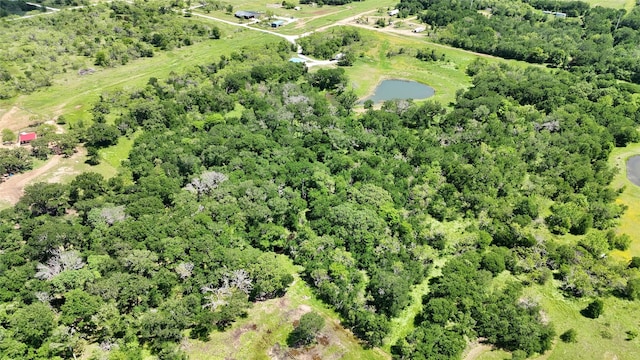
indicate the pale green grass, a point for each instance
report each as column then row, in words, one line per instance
column 630, row 220
column 602, row 338
column 114, row 155
column 403, row 325
column 329, row 15
column 615, row 4
column 446, row 77
column 269, row 323
column 374, row 66
column 309, row 17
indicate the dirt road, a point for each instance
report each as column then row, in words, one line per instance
column 12, row 190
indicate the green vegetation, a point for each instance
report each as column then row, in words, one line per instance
column 602, row 40
column 305, row 332
column 252, row 206
column 135, row 32
column 569, row 336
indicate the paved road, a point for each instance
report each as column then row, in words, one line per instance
column 40, row 5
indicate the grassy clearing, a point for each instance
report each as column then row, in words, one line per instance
column 445, row 77
column 402, row 325
column 602, row 338
column 374, row 66
column 114, row 155
column 269, row 323
column 630, row 220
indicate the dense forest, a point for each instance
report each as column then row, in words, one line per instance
column 252, row 156
column 107, row 34
column 589, row 40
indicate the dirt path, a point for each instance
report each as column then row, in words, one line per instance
column 12, row 190
column 476, row 351
column 13, row 120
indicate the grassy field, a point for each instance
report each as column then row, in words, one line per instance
column 616, row 4
column 309, row 17
column 73, row 95
column 602, row 338
column 263, row 333
column 630, row 221
column 374, row 66
column 445, row 77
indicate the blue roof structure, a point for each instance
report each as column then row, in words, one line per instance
column 297, row 60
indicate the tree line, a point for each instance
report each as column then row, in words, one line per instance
column 600, row 41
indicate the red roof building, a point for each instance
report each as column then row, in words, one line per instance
column 26, row 137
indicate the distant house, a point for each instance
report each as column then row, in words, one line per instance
column 296, row 8
column 337, row 57
column 277, row 23
column 297, row 60
column 26, row 137
column 246, row 14
column 419, row 29
column 561, row 15
column 394, row 12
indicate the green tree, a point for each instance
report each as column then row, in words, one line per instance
column 8, row 136
column 78, row 308
column 633, row 289
column 32, row 324
column 594, row 309
column 569, row 336
column 44, row 198
column 102, row 135
column 270, row 275
column 306, row 330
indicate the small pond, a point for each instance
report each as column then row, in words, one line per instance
column 633, row 170
column 400, row 89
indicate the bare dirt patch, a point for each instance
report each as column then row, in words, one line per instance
column 12, row 190
column 476, row 350
column 15, row 119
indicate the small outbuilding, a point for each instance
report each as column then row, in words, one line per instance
column 419, row 29
column 277, row 23
column 297, row 60
column 394, row 12
column 246, row 14
column 26, row 137
column 561, row 15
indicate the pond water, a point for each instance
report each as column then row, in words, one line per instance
column 633, row 170
column 400, row 89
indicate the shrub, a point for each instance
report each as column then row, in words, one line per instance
column 569, row 336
